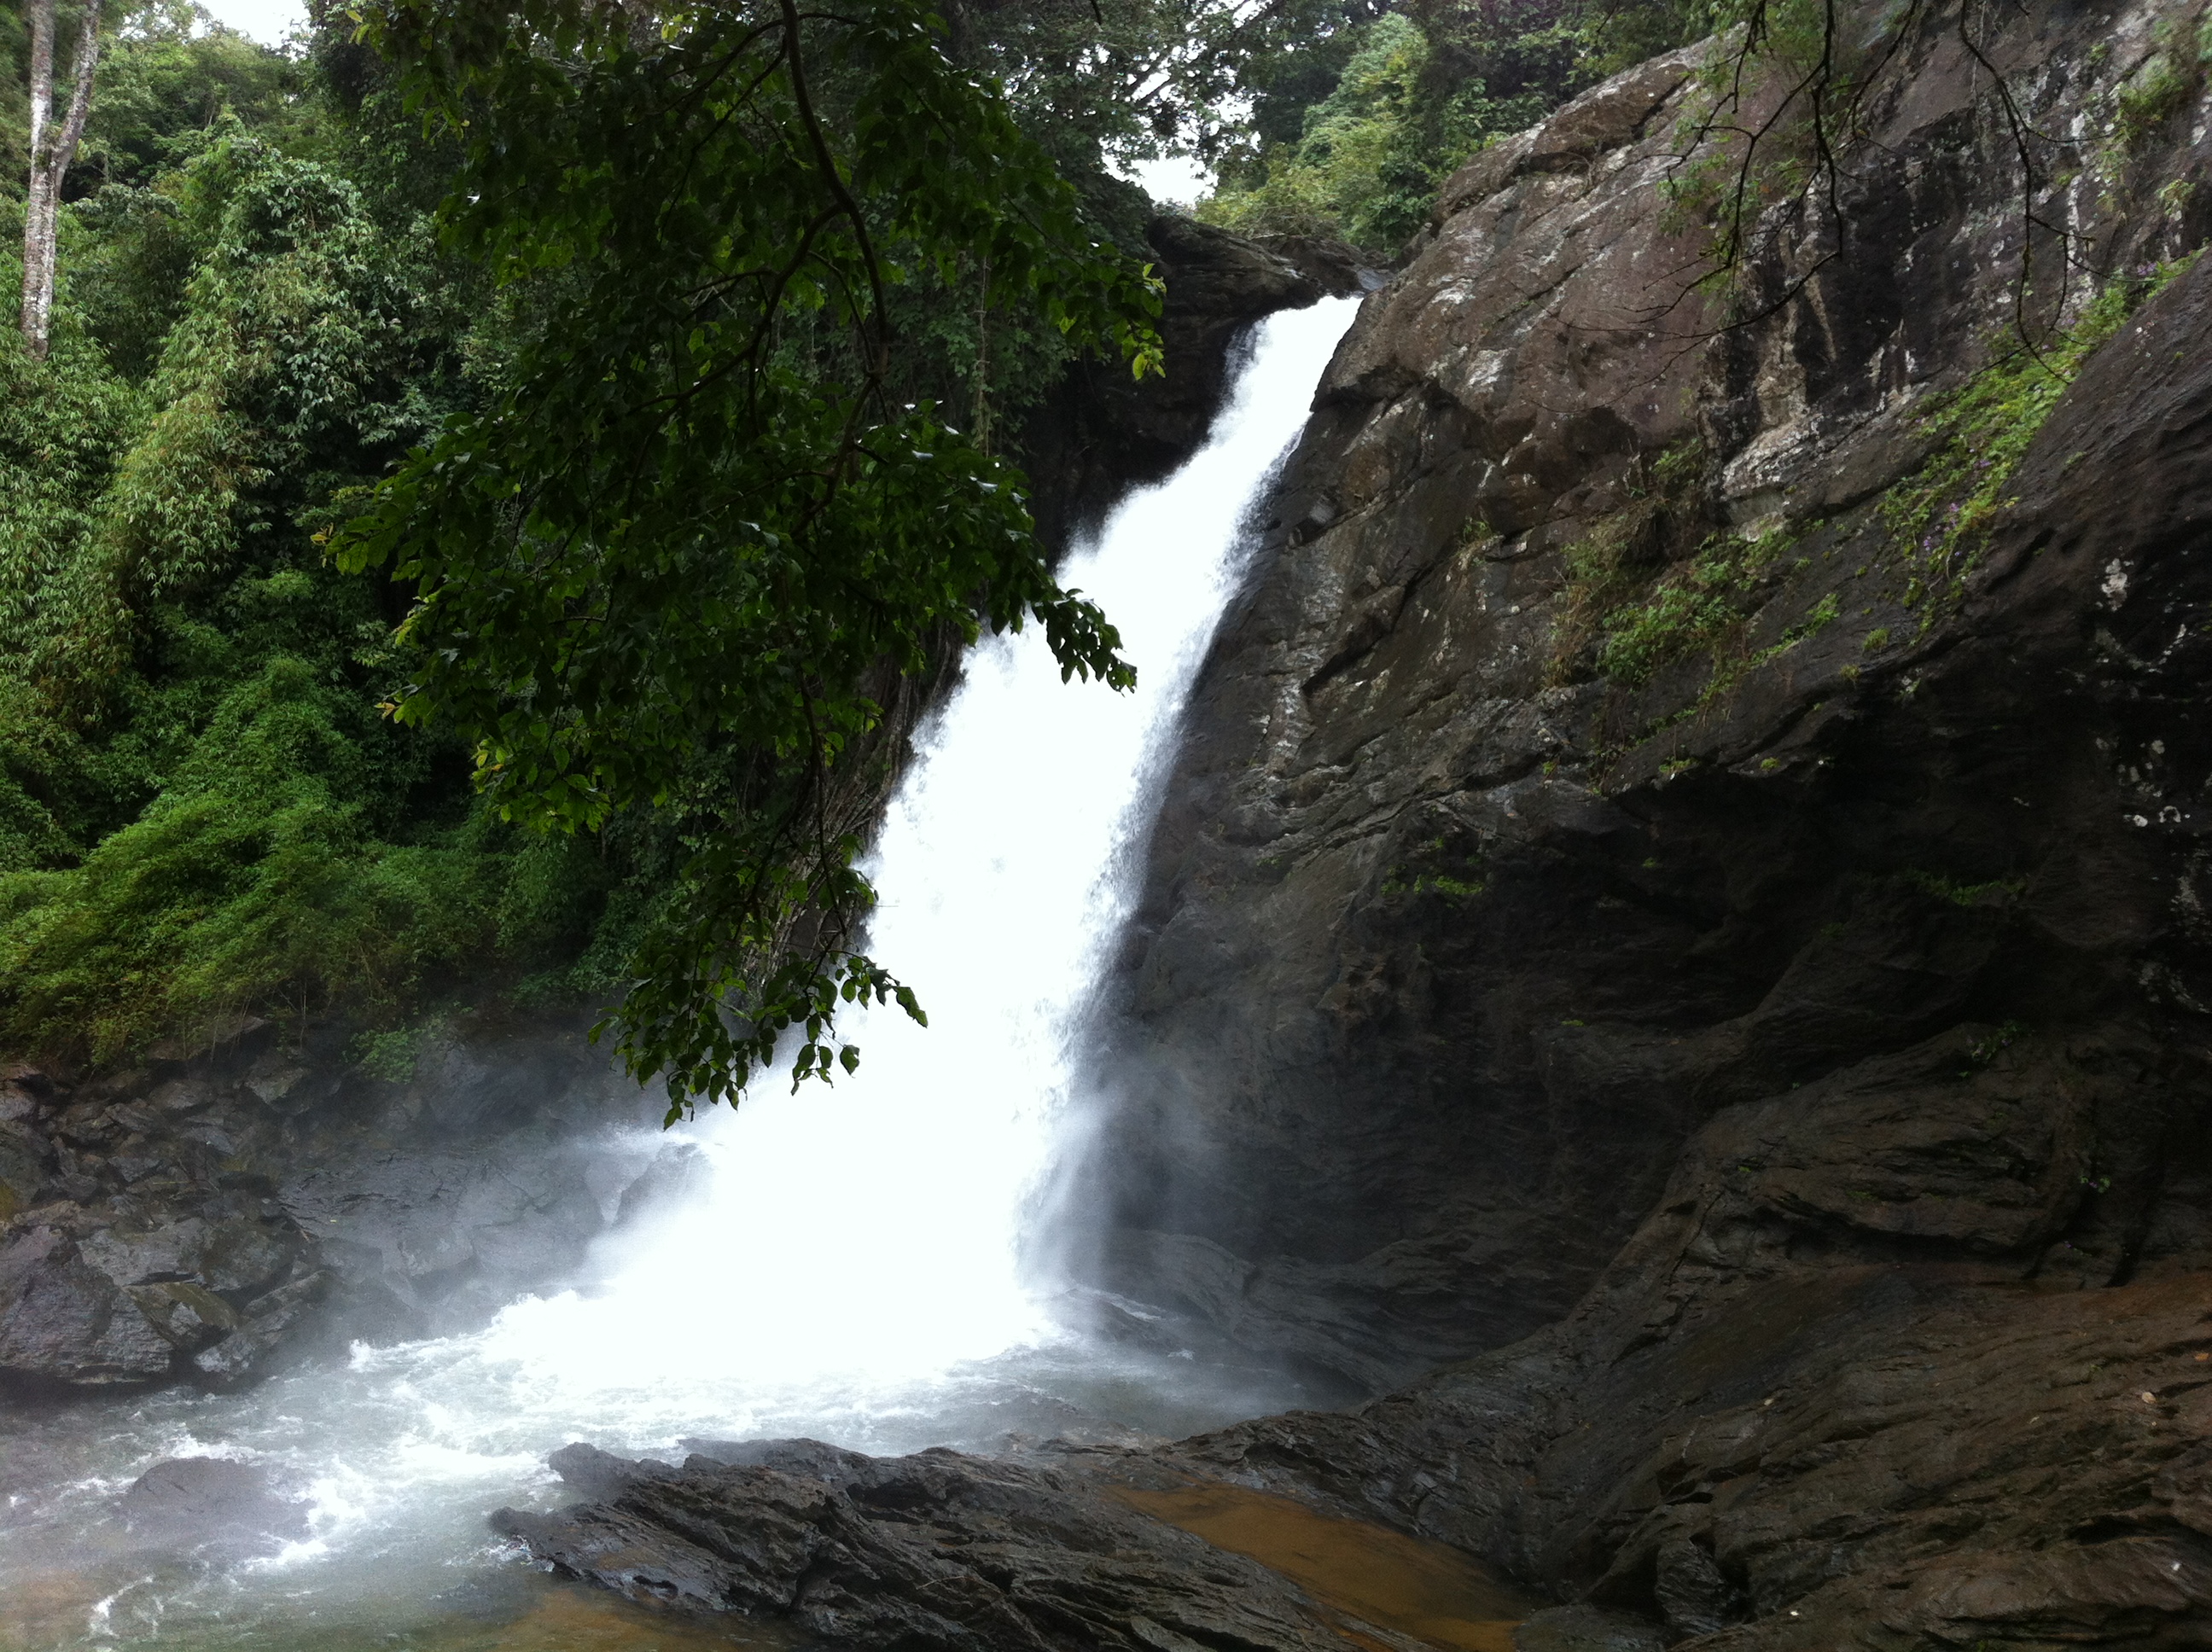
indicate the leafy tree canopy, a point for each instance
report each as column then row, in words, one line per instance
column 1129, row 79
column 200, row 810
column 165, row 82
column 665, row 570
column 262, row 308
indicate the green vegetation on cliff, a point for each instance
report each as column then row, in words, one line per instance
column 1938, row 518
column 201, row 810
column 1354, row 134
column 1661, row 586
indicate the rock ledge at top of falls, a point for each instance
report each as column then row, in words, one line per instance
column 1098, row 433
column 214, row 1508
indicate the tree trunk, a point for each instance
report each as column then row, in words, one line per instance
column 53, row 147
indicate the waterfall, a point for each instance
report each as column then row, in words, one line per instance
column 871, row 1232
column 853, row 1269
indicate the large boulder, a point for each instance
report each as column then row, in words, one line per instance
column 64, row 1321
column 933, row 1550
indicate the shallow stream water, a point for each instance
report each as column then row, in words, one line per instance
column 861, row 1265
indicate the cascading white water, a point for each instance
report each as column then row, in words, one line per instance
column 852, row 1270
column 871, row 1232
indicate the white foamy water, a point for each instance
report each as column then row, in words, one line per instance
column 852, row 1270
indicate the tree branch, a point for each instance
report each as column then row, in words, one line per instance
column 51, row 154
column 36, row 210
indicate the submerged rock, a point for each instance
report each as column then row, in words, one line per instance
column 214, row 1508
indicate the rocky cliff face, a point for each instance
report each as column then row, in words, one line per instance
column 1594, row 753
column 1677, row 877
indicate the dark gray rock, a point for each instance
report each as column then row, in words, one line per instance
column 933, row 1550
column 808, row 1459
column 26, row 1162
column 1793, row 1421
column 599, row 1475
column 1693, row 1594
column 214, row 1508
column 189, row 1317
column 679, row 1172
column 134, row 1287
column 210, row 1218
column 261, row 1339
column 1587, row 1629
column 64, row 1322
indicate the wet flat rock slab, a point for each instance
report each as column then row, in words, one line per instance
column 1378, row 1584
column 937, row 1550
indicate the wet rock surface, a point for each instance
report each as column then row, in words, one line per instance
column 203, row 1219
column 1786, row 1426
column 1454, row 935
column 936, row 1549
column 1587, row 1629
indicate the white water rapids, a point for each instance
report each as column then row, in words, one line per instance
column 855, row 1270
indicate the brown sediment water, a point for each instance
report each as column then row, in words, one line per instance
column 577, row 1618
column 1368, row 1574
column 51, row 1612
column 46, row 1609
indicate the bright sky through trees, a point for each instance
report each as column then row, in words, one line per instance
column 1173, row 177
column 266, row 21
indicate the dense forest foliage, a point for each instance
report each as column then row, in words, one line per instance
column 580, row 749
column 1352, row 134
